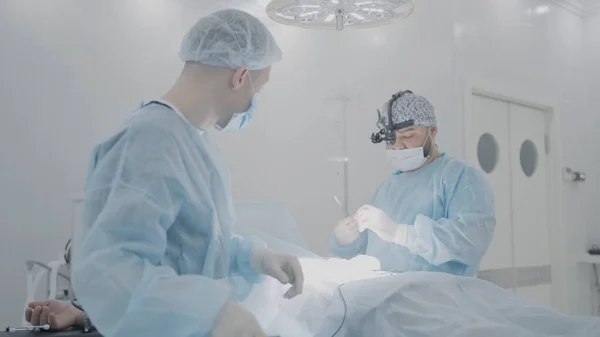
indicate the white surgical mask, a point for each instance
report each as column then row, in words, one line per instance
column 407, row 160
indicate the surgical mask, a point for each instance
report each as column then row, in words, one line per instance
column 239, row 120
column 408, row 159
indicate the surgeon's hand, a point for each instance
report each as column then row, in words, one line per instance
column 381, row 224
column 282, row 267
column 57, row 314
column 235, row 321
column 346, row 231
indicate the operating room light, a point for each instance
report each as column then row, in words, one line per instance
column 540, row 10
column 338, row 14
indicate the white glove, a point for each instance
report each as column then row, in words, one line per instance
column 235, row 320
column 380, row 223
column 282, row 267
column 346, row 231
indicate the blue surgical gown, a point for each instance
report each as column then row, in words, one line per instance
column 157, row 231
column 449, row 208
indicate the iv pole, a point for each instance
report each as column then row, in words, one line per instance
column 344, row 101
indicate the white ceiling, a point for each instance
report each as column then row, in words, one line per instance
column 580, row 7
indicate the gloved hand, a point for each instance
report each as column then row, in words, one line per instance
column 282, row 267
column 381, row 224
column 235, row 320
column 346, row 231
column 57, row 314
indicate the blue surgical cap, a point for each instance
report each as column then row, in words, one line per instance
column 231, row 39
column 411, row 106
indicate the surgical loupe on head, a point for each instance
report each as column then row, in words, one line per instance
column 387, row 128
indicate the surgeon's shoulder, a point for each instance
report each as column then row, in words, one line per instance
column 461, row 172
column 154, row 125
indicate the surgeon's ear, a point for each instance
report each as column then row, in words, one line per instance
column 238, row 78
column 433, row 131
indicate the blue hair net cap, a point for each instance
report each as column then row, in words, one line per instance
column 231, row 39
column 411, row 106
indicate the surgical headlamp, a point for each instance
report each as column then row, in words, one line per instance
column 387, row 128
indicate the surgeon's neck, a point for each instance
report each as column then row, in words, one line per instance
column 195, row 95
column 433, row 155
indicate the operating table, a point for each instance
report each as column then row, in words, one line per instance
column 67, row 333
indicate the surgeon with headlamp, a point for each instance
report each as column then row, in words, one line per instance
column 156, row 248
column 435, row 213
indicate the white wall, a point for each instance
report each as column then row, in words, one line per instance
column 72, row 71
column 533, row 50
column 592, row 66
column 590, row 232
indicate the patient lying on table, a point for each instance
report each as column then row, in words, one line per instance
column 349, row 298
column 352, row 298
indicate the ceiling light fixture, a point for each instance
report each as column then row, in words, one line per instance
column 338, row 14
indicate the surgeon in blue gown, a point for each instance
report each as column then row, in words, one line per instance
column 156, row 248
column 435, row 213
